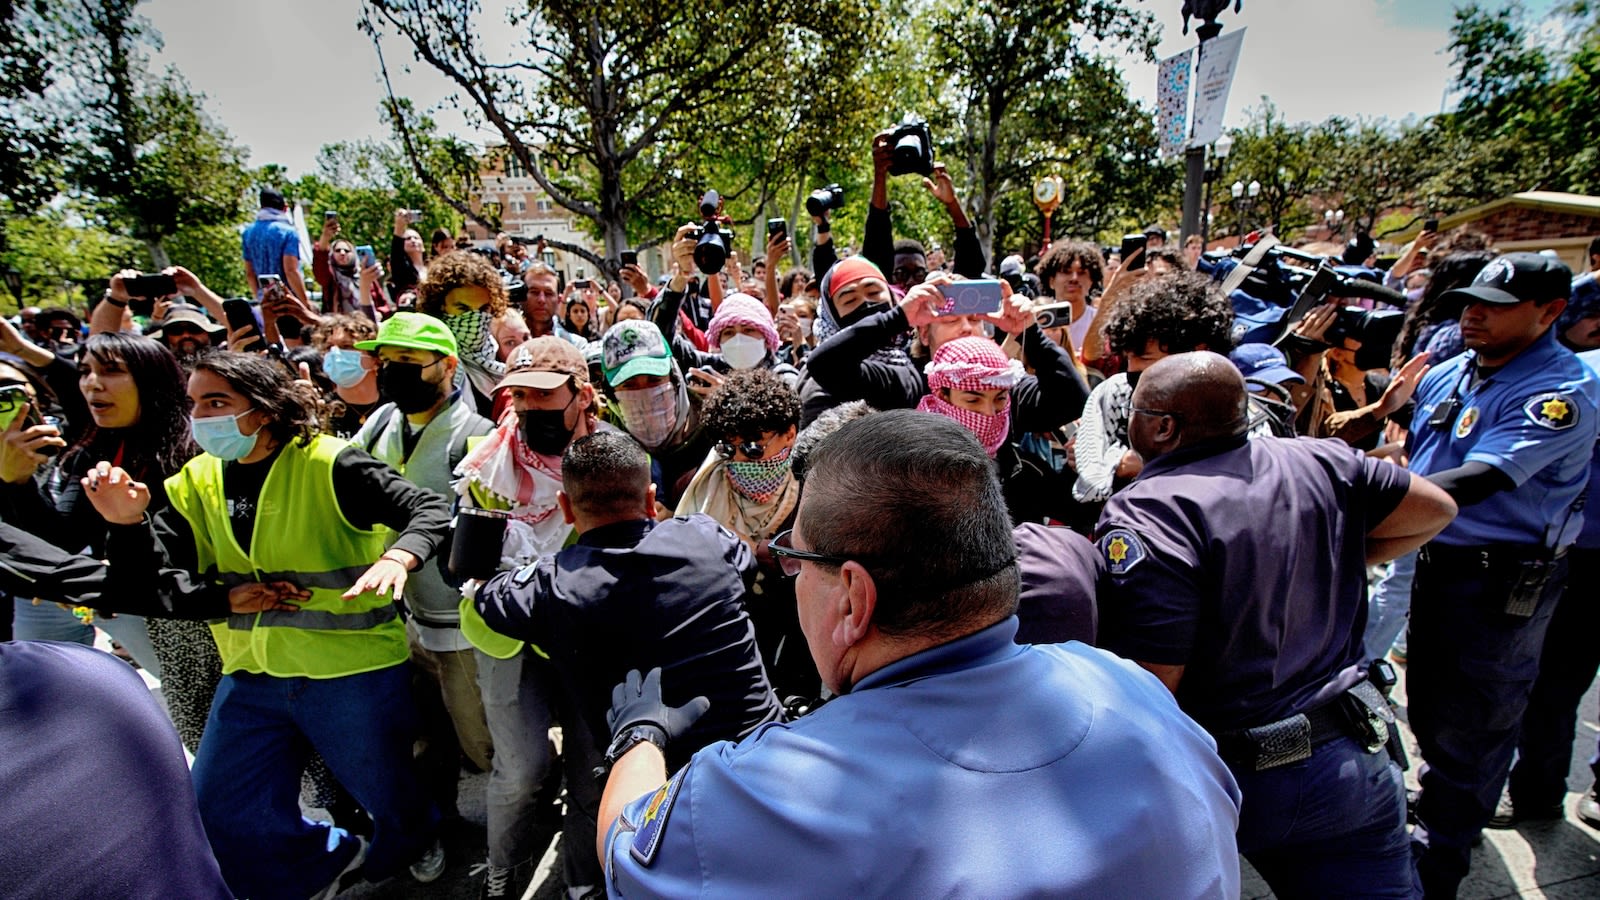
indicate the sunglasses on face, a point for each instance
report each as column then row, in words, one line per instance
column 750, row 449
column 182, row 331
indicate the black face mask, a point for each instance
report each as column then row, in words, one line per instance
column 861, row 312
column 545, row 430
column 1133, row 378
column 403, row 383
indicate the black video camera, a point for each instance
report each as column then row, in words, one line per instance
column 712, row 242
column 912, row 147
column 824, row 199
column 1374, row 329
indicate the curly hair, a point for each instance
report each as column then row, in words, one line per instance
column 750, row 403
column 158, row 444
column 359, row 328
column 270, row 389
column 1180, row 312
column 460, row 268
column 1064, row 254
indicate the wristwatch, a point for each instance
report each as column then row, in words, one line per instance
column 120, row 304
column 626, row 740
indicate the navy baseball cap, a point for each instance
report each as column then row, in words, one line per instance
column 1514, row 278
column 1263, row 362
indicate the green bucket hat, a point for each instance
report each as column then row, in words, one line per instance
column 414, row 331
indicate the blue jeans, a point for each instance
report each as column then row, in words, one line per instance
column 1470, row 673
column 1332, row 825
column 1390, row 607
column 247, row 778
column 49, row 622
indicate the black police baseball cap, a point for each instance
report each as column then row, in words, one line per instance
column 1513, row 278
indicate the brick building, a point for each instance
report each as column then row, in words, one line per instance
column 527, row 211
column 1533, row 221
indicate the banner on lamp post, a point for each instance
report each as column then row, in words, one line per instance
column 1172, row 101
column 1219, row 59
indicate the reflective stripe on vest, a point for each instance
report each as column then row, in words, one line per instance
column 312, row 618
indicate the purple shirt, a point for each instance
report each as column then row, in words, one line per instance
column 97, row 794
column 1245, row 562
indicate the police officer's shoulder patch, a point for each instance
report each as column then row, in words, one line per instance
column 647, row 837
column 1123, row 550
column 1554, row 411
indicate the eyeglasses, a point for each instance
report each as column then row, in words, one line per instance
column 904, row 274
column 751, row 450
column 790, row 558
column 181, row 330
column 1158, row 412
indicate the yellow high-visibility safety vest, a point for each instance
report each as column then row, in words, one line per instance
column 300, row 536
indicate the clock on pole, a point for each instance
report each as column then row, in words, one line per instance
column 1047, row 193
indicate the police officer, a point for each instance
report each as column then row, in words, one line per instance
column 1507, row 428
column 1236, row 573
column 601, row 607
column 953, row 761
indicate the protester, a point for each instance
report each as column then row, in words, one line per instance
column 907, row 586
column 138, row 415
column 407, row 268
column 516, row 468
column 423, row 433
column 186, row 331
column 348, row 287
column 272, row 247
column 1072, row 272
column 465, row 291
column 312, row 659
column 652, row 398
column 354, row 373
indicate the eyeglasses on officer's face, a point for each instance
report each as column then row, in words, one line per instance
column 790, row 558
column 1158, row 413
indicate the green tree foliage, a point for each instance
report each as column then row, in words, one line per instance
column 61, row 258
column 32, row 132
column 615, row 109
column 152, row 162
column 1026, row 87
column 365, row 182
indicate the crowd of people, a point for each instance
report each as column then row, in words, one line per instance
column 801, row 579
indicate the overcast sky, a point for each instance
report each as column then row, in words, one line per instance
column 288, row 76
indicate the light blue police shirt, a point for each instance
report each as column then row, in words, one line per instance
column 978, row 768
column 1589, row 537
column 1535, row 420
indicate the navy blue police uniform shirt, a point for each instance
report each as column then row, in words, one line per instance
column 1245, row 562
column 642, row 594
column 1535, row 420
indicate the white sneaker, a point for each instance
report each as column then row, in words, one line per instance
column 336, row 885
column 430, row 865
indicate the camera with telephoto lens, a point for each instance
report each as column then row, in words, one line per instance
column 712, row 242
column 824, row 199
column 912, row 148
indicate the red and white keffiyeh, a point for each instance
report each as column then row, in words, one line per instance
column 973, row 364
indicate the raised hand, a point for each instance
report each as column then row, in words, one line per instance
column 115, row 495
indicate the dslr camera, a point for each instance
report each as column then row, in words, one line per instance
column 824, row 199
column 912, row 146
column 712, row 242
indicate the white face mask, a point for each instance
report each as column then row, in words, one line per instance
column 743, row 351
column 805, row 326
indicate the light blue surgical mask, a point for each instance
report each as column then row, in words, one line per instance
column 343, row 367
column 220, row 436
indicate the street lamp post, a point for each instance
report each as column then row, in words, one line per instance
column 1333, row 220
column 1244, row 198
column 1219, row 155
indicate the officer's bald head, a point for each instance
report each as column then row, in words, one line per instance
column 1202, row 395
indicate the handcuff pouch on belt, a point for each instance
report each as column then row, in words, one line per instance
column 1361, row 712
